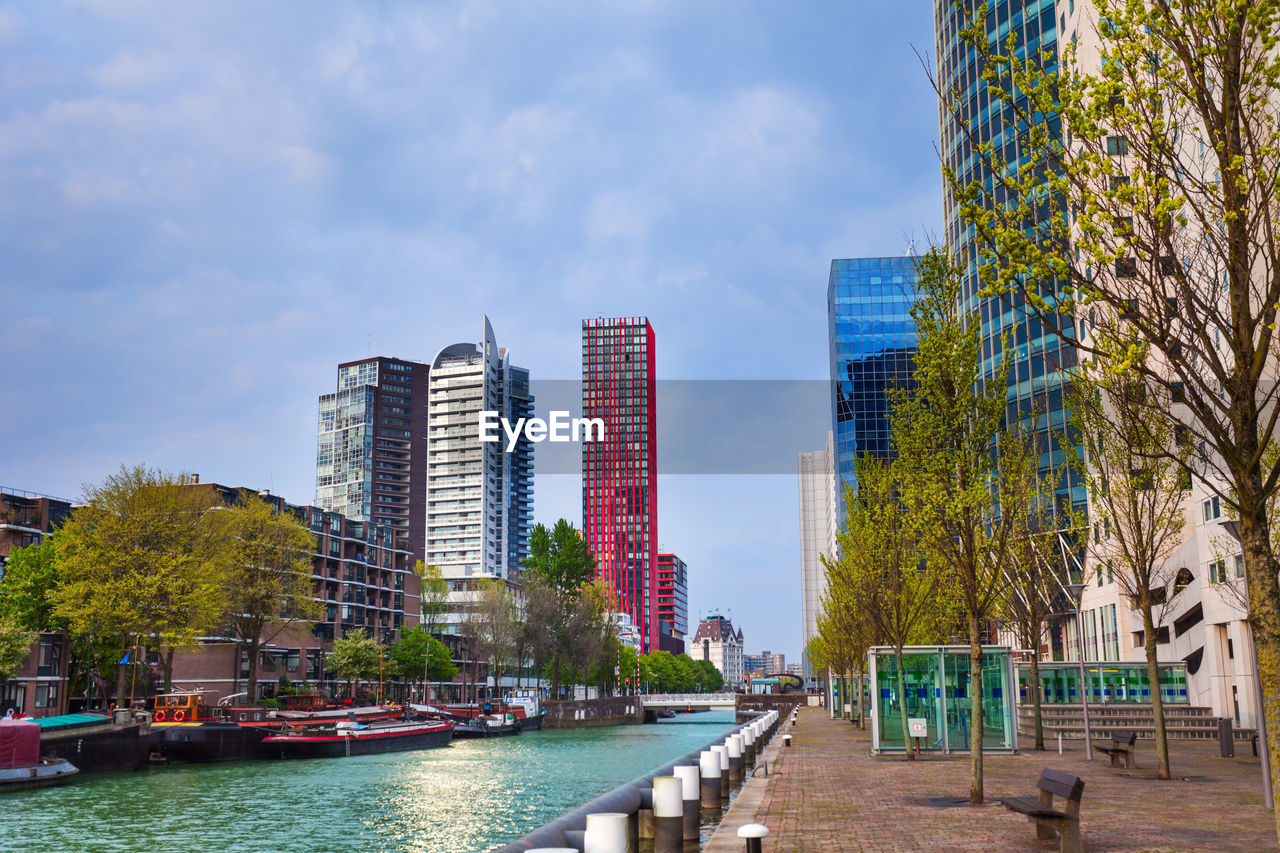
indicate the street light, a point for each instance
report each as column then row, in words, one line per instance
column 1076, row 591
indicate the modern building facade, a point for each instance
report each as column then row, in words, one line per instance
column 765, row 663
column 673, row 603
column 818, row 526
column 872, row 341
column 479, row 494
column 1038, row 357
column 619, row 474
column 717, row 641
column 371, row 452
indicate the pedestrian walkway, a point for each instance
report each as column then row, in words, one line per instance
column 828, row 793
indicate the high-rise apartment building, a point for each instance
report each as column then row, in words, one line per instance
column 673, row 603
column 372, row 447
column 479, row 495
column 872, row 341
column 1038, row 357
column 818, row 525
column 619, row 473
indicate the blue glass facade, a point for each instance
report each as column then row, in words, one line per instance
column 873, row 344
column 1040, row 358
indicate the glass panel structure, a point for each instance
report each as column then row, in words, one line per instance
column 1110, row 683
column 872, row 341
column 936, row 685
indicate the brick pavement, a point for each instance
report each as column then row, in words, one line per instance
column 828, row 793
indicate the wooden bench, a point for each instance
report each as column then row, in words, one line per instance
column 1122, row 744
column 1048, row 820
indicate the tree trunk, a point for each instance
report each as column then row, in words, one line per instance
column 858, row 688
column 975, row 711
column 1157, row 701
column 122, row 676
column 902, row 703
column 251, row 685
column 1262, row 573
column 166, row 661
column 1035, row 693
column 555, row 677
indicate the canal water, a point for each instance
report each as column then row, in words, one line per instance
column 468, row 796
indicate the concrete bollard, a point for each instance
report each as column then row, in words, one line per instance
column 753, row 832
column 688, row 776
column 644, row 815
column 723, row 752
column 748, row 748
column 734, row 745
column 786, row 741
column 554, row 850
column 606, row 833
column 709, row 786
column 668, row 814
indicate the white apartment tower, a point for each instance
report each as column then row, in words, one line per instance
column 479, row 496
column 818, row 525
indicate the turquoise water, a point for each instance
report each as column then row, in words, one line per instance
column 468, row 796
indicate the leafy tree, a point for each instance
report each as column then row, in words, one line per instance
column 1151, row 218
column 1134, row 467
column 266, row 564
column 355, row 657
column 435, row 598
column 881, row 572
column 560, row 556
column 490, row 628
column 709, row 678
column 417, row 654
column 15, row 645
column 30, row 577
column 969, row 478
column 137, row 560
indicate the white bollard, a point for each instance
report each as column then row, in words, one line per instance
column 688, row 776
column 734, row 744
column 606, row 833
column 723, row 752
column 748, row 747
column 668, row 814
column 753, row 832
column 709, row 772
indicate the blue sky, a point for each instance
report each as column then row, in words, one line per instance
column 204, row 207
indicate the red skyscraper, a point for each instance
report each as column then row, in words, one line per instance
column 619, row 474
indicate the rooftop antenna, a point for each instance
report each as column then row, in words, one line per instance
column 370, row 348
column 911, row 247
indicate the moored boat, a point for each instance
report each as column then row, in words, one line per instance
column 184, row 728
column 95, row 743
column 355, row 738
column 488, row 726
column 20, row 763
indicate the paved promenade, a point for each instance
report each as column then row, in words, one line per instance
column 828, row 793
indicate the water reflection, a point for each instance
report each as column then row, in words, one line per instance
column 470, row 795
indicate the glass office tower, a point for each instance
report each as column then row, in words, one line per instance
column 1039, row 357
column 872, row 348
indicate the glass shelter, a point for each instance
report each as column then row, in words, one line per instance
column 936, row 685
column 1110, row 683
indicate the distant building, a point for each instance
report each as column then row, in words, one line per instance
column 479, row 495
column 673, row 603
column 717, row 641
column 626, row 631
column 765, row 663
column 620, row 473
column 818, row 526
column 371, row 448
column 39, row 689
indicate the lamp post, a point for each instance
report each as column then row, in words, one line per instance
column 1077, row 594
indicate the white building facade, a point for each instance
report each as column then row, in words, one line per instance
column 818, row 526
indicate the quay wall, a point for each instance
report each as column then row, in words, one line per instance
column 746, row 705
column 589, row 713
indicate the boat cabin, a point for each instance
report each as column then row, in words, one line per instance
column 183, row 708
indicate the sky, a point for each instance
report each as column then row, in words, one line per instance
column 206, row 206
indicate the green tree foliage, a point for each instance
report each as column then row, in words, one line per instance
column 882, row 574
column 138, row 560
column 418, row 655
column 559, row 568
column 30, row 577
column 560, row 557
column 266, row 567
column 435, row 598
column 1149, row 228
column 491, row 627
column 355, row 657
column 708, row 677
column 968, row 478
column 15, row 645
